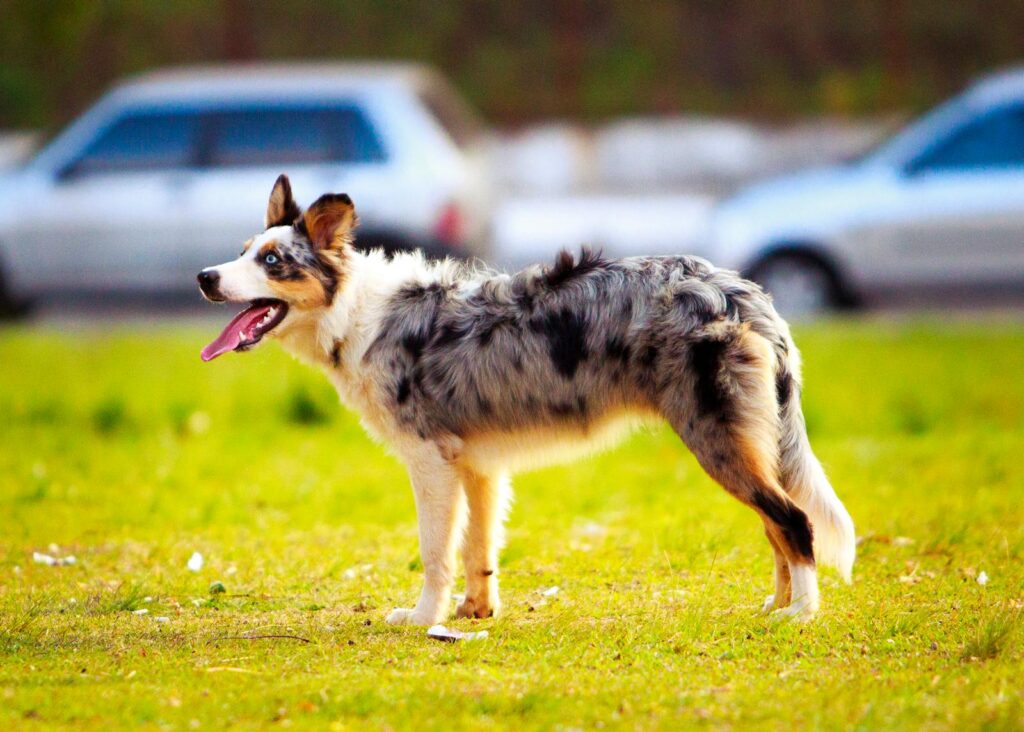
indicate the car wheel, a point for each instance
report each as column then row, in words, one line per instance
column 800, row 284
column 10, row 307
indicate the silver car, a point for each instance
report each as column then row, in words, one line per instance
column 936, row 211
column 169, row 171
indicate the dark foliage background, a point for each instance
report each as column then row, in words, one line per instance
column 531, row 59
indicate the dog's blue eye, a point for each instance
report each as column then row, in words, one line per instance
column 270, row 259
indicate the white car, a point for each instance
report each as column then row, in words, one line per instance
column 935, row 211
column 170, row 171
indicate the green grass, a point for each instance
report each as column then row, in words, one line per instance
column 126, row 451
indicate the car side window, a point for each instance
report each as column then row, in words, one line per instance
column 278, row 136
column 993, row 142
column 145, row 140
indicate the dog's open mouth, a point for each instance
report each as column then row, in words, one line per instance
column 247, row 328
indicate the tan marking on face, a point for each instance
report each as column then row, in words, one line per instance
column 306, row 292
column 267, row 247
column 248, row 243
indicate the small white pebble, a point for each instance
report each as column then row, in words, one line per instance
column 147, row 598
column 982, row 578
column 195, row 562
column 40, row 558
column 162, row 619
column 140, row 611
column 441, row 633
column 69, row 559
column 551, row 591
column 349, row 573
column 231, row 570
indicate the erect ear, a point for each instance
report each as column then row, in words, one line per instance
column 330, row 221
column 282, row 209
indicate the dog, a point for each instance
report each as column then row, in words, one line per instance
column 469, row 375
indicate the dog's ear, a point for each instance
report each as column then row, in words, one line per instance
column 281, row 209
column 330, row 221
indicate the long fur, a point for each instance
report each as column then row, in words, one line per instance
column 469, row 374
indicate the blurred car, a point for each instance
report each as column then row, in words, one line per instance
column 935, row 211
column 171, row 171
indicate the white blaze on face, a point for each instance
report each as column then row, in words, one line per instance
column 244, row 278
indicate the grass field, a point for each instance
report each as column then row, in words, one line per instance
column 124, row 450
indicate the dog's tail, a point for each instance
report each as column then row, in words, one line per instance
column 804, row 479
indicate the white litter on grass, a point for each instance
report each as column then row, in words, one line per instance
column 140, row 611
column 551, row 591
column 162, row 619
column 441, row 633
column 52, row 561
column 982, row 578
column 195, row 562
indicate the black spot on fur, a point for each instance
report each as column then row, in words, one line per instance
column 448, row 334
column 794, row 524
column 567, row 268
column 706, row 363
column 414, row 343
column 566, row 333
column 617, row 349
column 336, row 354
column 648, row 356
column 403, row 391
column 487, row 572
column 783, row 387
column 485, row 406
column 561, row 409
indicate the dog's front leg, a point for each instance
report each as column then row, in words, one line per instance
column 440, row 506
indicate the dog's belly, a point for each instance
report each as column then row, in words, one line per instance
column 549, row 445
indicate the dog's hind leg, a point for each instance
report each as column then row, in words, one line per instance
column 487, row 497
column 440, row 508
column 724, row 407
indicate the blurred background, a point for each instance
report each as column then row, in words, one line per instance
column 866, row 154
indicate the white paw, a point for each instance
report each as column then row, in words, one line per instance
column 799, row 611
column 404, row 616
column 769, row 604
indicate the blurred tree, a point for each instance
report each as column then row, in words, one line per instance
column 533, row 59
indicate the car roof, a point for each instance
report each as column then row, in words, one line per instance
column 279, row 80
column 1006, row 85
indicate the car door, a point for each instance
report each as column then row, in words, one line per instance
column 321, row 146
column 112, row 213
column 958, row 208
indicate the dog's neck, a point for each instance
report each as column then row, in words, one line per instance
column 336, row 337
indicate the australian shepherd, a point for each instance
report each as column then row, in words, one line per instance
column 469, row 375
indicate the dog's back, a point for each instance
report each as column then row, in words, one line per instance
column 553, row 355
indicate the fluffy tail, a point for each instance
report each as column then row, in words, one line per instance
column 804, row 479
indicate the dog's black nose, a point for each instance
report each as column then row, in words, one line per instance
column 208, row 281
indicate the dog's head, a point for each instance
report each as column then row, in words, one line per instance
column 289, row 272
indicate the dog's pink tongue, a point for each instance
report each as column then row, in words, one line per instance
column 235, row 331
